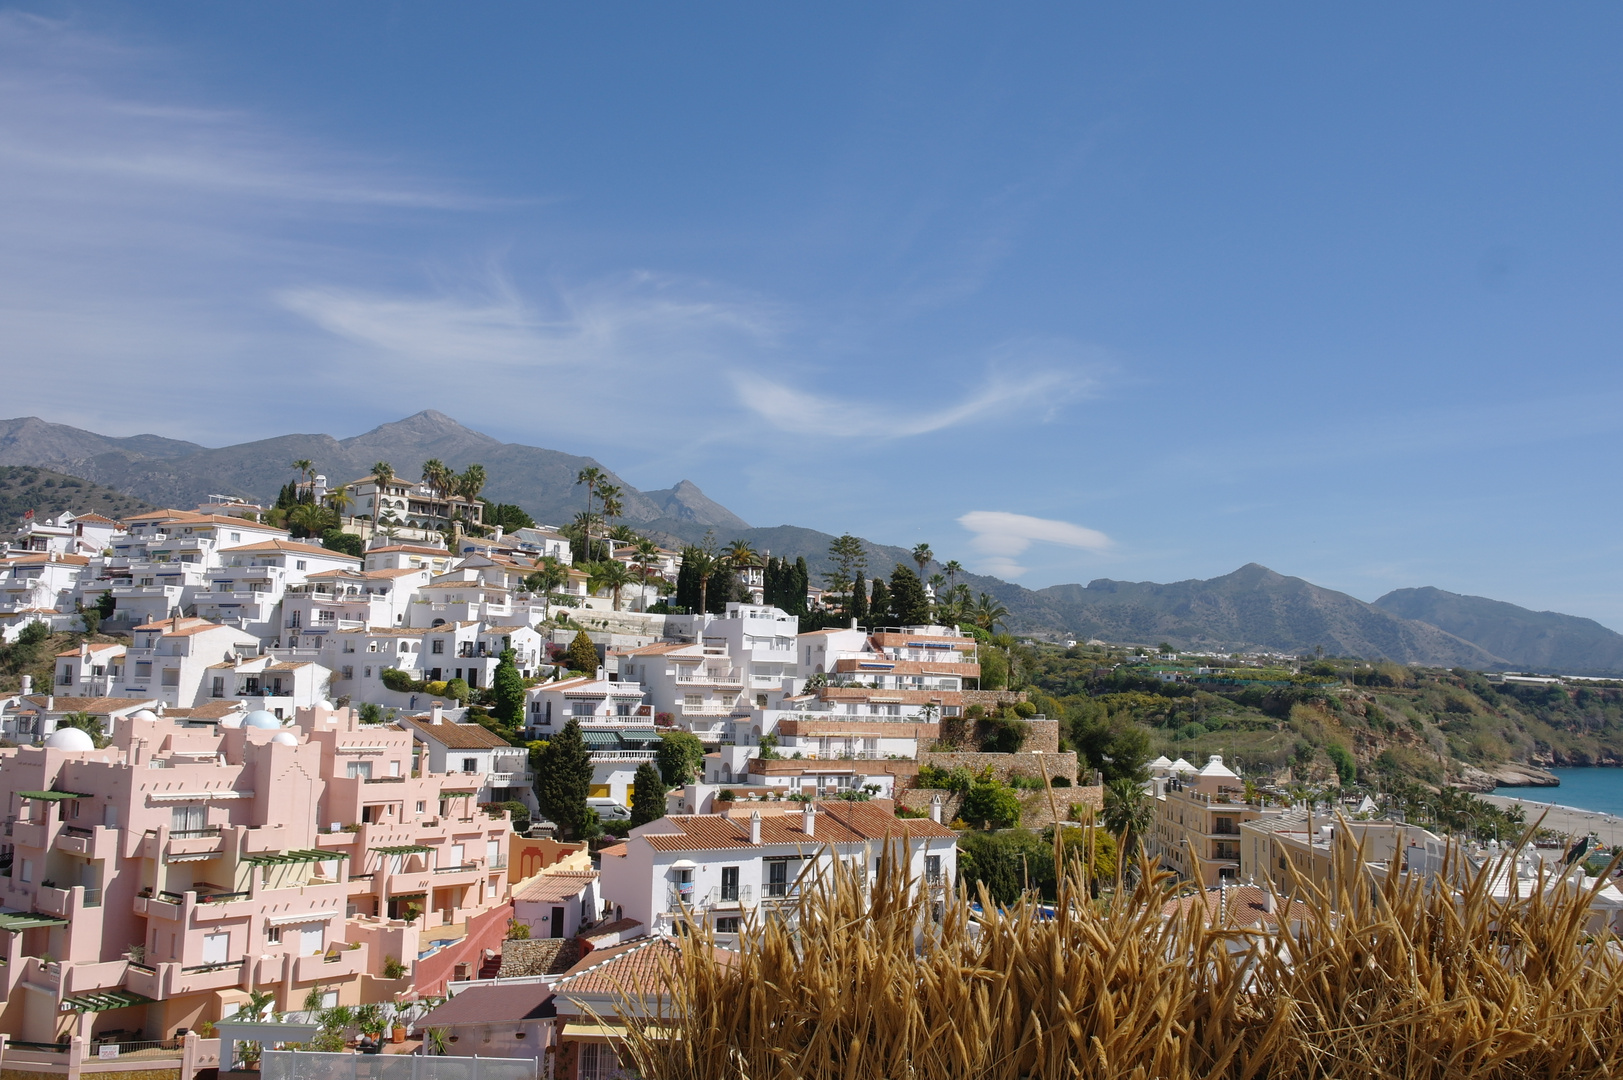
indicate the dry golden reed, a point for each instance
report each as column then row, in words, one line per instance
column 1371, row 981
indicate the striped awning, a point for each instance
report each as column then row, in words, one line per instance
column 27, row 920
column 403, row 849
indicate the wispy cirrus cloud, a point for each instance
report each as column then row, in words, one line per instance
column 1002, row 537
column 1023, row 377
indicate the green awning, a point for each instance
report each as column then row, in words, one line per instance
column 27, row 920
column 103, row 1000
column 600, row 738
column 403, row 849
column 446, row 793
column 301, row 855
column 640, row 734
column 51, row 796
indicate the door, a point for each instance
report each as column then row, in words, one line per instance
column 557, row 923
column 216, row 948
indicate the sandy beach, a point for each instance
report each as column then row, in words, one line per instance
column 1566, row 819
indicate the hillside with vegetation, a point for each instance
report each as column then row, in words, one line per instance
column 47, row 493
column 1347, row 723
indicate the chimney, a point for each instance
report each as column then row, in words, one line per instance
column 1268, row 901
column 808, row 820
column 853, row 622
column 935, row 809
column 50, row 702
column 27, row 685
column 755, row 826
column 84, row 652
column 434, row 716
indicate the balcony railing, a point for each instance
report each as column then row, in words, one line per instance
column 184, row 834
column 456, row 869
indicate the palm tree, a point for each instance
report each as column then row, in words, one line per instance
column 923, row 556
column 592, row 477
column 582, row 526
column 471, row 482
column 623, row 534
column 953, row 569
column 988, row 613
column 704, row 565
column 310, row 519
column 340, row 500
column 608, row 497
column 937, row 581
column 1128, row 812
column 610, row 574
column 741, row 554
column 548, row 577
column 437, row 477
column 307, row 469
column 645, row 554
column 382, row 477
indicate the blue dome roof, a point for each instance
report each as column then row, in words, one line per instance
column 259, row 718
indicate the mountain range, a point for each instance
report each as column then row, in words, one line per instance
column 1251, row 608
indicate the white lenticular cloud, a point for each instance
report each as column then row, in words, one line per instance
column 1002, row 538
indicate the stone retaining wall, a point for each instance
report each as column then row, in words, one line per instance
column 1026, row 762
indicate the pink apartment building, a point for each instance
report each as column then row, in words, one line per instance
column 153, row 884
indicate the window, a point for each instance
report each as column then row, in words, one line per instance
column 727, row 925
column 347, row 671
column 218, row 687
column 692, row 701
column 273, row 935
column 190, row 818
column 359, row 770
column 729, row 884
column 777, row 877
column 216, row 947
column 171, row 677
column 329, row 1000
column 311, row 937
column 298, row 564
column 582, row 708
column 598, row 1061
column 394, row 767
column 422, row 806
column 470, row 764
column 438, row 648
column 932, row 869
column 67, row 677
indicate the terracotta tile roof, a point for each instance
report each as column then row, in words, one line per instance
column 291, row 547
column 836, row 823
column 98, row 706
column 95, row 646
column 414, row 549
column 655, row 650
column 401, row 571
column 1237, row 906
column 95, row 519
column 549, row 886
column 189, row 517
column 492, row 1005
column 616, row 850
column 635, row 967
column 45, row 558
column 618, row 926
column 212, row 710
column 393, row 631
column 503, row 629
column 474, row 584
column 456, row 736
column 187, row 627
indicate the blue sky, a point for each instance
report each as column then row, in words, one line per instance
column 1068, row 292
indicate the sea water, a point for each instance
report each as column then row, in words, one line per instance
column 1596, row 789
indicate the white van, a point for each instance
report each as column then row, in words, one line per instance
column 609, row 810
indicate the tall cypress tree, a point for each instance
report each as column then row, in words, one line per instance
column 564, row 779
column 687, row 587
column 508, row 687
column 802, row 582
column 879, row 603
column 647, row 796
column 909, row 605
column 857, row 608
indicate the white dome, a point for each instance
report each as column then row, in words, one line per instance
column 324, row 704
column 144, row 714
column 261, row 719
column 69, row 738
column 232, row 720
column 285, row 738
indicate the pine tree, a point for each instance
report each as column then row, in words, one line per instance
column 908, row 603
column 648, row 795
column 879, row 603
column 857, row 606
column 564, row 779
column 508, row 687
column 583, row 654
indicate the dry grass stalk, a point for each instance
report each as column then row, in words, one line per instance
column 1389, row 980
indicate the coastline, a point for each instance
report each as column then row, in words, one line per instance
column 1568, row 820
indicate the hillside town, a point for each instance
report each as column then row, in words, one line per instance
column 402, row 778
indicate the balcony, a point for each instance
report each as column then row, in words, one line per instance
column 167, row 906
column 50, row 901
column 599, row 756
column 197, row 978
